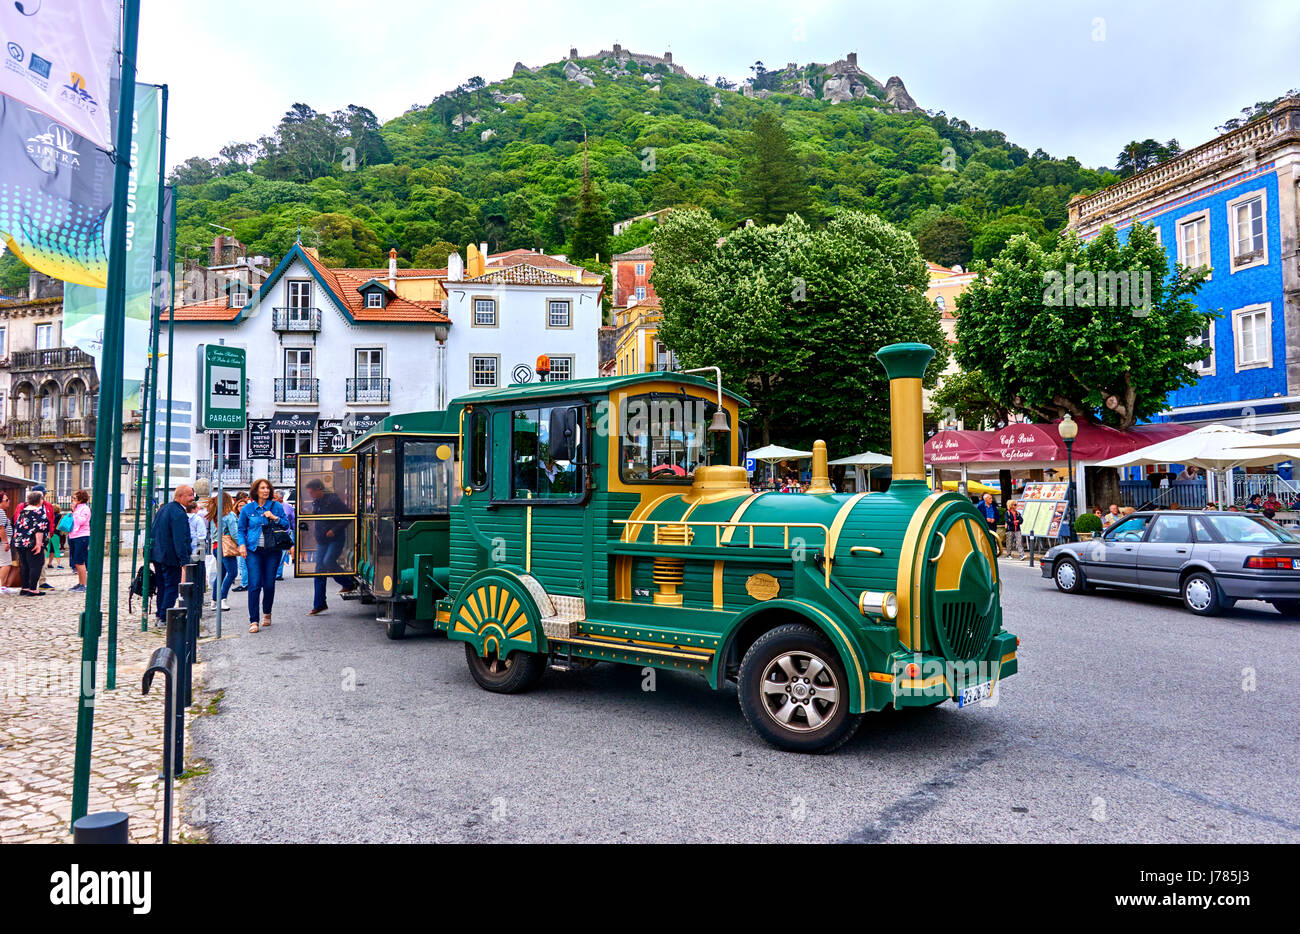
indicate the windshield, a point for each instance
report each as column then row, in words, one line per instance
column 665, row 437
column 1250, row 529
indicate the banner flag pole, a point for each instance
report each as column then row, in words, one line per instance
column 109, row 392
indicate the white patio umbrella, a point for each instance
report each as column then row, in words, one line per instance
column 864, row 461
column 772, row 453
column 1214, row 448
column 1287, row 439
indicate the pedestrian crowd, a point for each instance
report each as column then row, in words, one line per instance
column 249, row 538
column 35, row 534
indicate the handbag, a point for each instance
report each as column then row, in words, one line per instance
column 277, row 536
column 65, row 523
column 228, row 547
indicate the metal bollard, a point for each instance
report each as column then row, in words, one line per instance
column 1033, row 540
column 176, row 638
column 104, row 827
column 164, row 660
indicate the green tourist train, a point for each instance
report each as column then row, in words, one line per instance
column 561, row 524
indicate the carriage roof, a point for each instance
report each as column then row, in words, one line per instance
column 589, row 387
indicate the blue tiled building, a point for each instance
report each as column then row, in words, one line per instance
column 1230, row 204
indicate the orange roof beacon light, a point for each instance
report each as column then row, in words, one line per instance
column 543, row 367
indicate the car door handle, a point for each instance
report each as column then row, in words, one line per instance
column 1181, row 551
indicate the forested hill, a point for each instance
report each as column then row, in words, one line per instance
column 504, row 163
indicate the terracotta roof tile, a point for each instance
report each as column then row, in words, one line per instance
column 344, row 283
column 531, row 257
column 645, row 251
column 522, row 274
column 213, row 310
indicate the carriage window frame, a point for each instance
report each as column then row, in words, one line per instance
column 582, row 463
column 454, row 490
column 478, row 449
column 688, row 479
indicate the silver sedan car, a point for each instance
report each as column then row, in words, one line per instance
column 1209, row 559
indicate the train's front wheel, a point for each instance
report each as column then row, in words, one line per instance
column 794, row 690
column 517, row 672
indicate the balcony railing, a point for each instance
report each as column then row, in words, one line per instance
column 295, row 319
column 368, row 389
column 234, row 474
column 48, row 429
column 54, row 358
column 296, row 389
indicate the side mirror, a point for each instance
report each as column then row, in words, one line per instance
column 563, row 431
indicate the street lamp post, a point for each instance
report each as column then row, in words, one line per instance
column 1069, row 429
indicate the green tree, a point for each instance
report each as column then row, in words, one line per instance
column 946, row 240
column 965, row 395
column 591, row 227
column 774, row 185
column 13, row 274
column 433, row 256
column 996, row 233
column 792, row 316
column 1098, row 330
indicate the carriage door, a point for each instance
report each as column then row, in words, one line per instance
column 385, row 582
column 326, row 540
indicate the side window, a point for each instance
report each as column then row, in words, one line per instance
column 428, row 475
column 1169, row 530
column 480, row 450
column 1130, row 530
column 545, row 453
column 1203, row 533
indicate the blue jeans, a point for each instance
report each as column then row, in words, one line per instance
column 261, row 580
column 243, row 571
column 229, row 571
column 327, row 559
column 168, row 577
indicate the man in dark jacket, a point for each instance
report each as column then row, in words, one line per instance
column 330, row 537
column 171, row 549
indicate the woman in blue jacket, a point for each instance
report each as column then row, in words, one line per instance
column 257, row 522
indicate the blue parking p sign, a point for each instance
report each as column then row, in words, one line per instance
column 750, row 465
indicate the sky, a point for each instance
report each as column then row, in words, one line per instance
column 1074, row 77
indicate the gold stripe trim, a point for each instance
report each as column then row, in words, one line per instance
column 717, row 585
column 908, row 594
column 862, row 685
column 528, row 539
column 740, row 511
column 842, row 516
column 636, row 648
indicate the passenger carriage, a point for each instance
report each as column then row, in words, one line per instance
column 610, row 520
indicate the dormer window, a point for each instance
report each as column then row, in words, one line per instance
column 236, row 294
column 374, row 293
column 375, row 299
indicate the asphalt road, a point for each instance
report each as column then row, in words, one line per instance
column 1127, row 722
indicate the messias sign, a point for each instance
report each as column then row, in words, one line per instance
column 221, row 387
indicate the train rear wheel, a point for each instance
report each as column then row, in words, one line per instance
column 514, row 674
column 794, row 690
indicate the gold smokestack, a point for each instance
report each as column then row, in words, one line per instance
column 821, row 481
column 905, row 365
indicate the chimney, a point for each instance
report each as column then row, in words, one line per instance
column 474, row 264
column 821, row 481
column 483, row 251
column 455, row 267
column 392, row 270
column 905, row 365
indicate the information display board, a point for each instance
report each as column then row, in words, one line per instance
column 1043, row 505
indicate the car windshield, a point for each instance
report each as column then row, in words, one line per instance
column 1250, row 529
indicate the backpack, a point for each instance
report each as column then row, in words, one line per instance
column 137, row 587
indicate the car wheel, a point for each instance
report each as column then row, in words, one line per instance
column 1287, row 607
column 1068, row 576
column 1201, row 594
column 794, row 691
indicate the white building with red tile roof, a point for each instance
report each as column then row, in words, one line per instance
column 332, row 351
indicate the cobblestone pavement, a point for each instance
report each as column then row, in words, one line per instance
column 39, row 685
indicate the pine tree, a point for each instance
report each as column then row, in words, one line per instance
column 774, row 184
column 591, row 228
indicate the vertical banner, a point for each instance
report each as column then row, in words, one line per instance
column 60, row 59
column 83, row 305
column 56, row 99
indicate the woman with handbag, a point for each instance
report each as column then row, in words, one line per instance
column 31, row 529
column 263, row 534
column 222, row 531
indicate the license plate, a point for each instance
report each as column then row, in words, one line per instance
column 1295, row 564
column 974, row 694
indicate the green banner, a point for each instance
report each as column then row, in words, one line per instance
column 83, row 306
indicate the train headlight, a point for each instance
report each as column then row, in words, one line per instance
column 883, row 605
